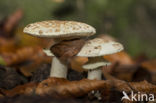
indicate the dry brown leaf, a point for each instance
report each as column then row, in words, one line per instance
column 143, row 86
column 41, row 57
column 8, row 25
column 141, row 58
column 29, row 69
column 26, row 89
column 37, row 59
column 150, row 65
column 7, row 45
column 121, row 57
column 20, row 55
column 34, row 54
column 124, row 72
column 78, row 62
column 121, row 85
column 24, row 54
column 67, row 49
column 64, row 88
column 58, row 87
column 12, row 21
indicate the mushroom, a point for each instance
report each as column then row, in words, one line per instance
column 94, row 49
column 93, row 67
column 59, row 30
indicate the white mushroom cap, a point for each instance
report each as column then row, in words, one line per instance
column 95, row 65
column 56, row 29
column 99, row 47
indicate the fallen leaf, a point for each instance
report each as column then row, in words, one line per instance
column 143, row 86
column 121, row 57
column 124, row 72
column 26, row 89
column 67, row 49
column 9, row 24
column 7, row 45
column 78, row 62
column 58, row 87
column 20, row 55
column 150, row 66
column 24, row 54
column 120, row 85
column 27, row 70
column 64, row 88
column 37, row 59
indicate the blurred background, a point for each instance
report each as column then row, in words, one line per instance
column 132, row 22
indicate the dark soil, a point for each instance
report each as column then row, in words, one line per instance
column 10, row 78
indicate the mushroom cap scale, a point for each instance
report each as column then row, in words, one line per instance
column 100, row 47
column 56, row 29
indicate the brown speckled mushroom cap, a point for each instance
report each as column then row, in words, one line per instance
column 56, row 29
column 99, row 47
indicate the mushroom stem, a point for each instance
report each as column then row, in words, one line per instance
column 95, row 74
column 58, row 69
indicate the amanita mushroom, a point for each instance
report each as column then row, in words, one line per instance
column 94, row 67
column 59, row 30
column 96, row 48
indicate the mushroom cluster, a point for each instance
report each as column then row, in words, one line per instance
column 59, row 31
column 67, row 31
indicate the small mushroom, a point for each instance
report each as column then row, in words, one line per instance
column 94, row 49
column 59, row 30
column 93, row 67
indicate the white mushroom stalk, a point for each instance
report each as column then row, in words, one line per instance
column 59, row 30
column 96, row 48
column 57, row 69
column 94, row 67
column 95, row 74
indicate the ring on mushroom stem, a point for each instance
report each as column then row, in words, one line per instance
column 59, row 30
